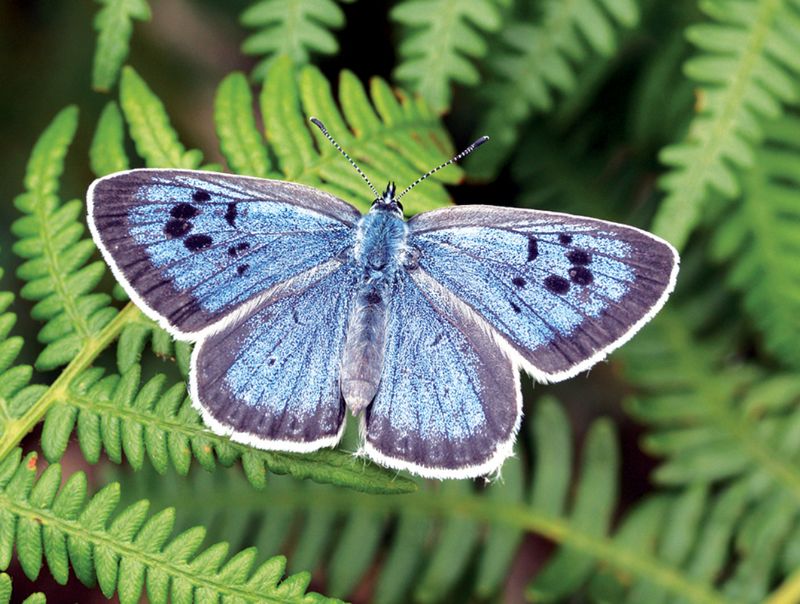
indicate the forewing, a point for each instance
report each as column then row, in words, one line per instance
column 449, row 402
column 562, row 291
column 191, row 246
column 270, row 378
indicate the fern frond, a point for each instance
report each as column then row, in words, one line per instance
column 126, row 552
column 155, row 139
column 542, row 61
column 729, row 426
column 114, row 24
column 448, row 540
column 295, row 28
column 392, row 138
column 117, row 415
column 759, row 237
column 711, row 421
column 747, row 70
column 17, row 395
column 5, row 593
column 59, row 275
column 441, row 40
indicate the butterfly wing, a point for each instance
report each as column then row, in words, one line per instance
column 449, row 402
column 562, row 291
column 190, row 246
column 270, row 377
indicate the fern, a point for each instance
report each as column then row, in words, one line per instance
column 17, row 395
column 726, row 425
column 114, row 24
column 391, row 138
column 51, row 240
column 441, row 39
column 155, row 139
column 746, row 71
column 128, row 553
column 5, row 593
column 760, row 237
column 294, row 28
column 118, row 415
column 448, row 540
column 542, row 60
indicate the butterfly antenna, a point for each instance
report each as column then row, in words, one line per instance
column 327, row 134
column 461, row 155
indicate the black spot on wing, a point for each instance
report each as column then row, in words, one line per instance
column 579, row 257
column 556, row 284
column 177, row 228
column 516, row 308
column 519, row 281
column 242, row 269
column 184, row 211
column 581, row 275
column 196, row 243
column 237, row 249
column 533, row 249
column 201, row 195
column 565, row 239
column 230, row 214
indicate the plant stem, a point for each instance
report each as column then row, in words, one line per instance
column 16, row 429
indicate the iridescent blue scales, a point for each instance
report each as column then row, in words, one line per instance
column 301, row 307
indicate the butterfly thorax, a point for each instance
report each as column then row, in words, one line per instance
column 378, row 255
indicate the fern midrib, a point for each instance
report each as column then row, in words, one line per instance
column 479, row 508
column 763, row 224
column 77, row 320
column 149, row 560
column 728, row 419
column 16, row 429
column 442, row 31
column 695, row 180
column 290, row 29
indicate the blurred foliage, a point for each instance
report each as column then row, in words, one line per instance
column 680, row 117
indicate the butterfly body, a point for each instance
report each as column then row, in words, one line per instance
column 378, row 256
column 301, row 307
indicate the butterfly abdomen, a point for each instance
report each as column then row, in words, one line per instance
column 381, row 238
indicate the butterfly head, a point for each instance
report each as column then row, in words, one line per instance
column 388, row 202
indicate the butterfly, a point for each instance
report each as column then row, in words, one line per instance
column 302, row 307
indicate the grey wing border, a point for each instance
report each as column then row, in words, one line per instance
column 335, row 208
column 463, row 216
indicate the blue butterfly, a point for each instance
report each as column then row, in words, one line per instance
column 301, row 307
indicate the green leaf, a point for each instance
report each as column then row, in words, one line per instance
column 160, row 424
column 238, row 134
column 156, row 141
column 543, row 60
column 5, row 593
column 50, row 240
column 294, row 28
column 114, row 24
column 111, row 551
column 746, row 72
column 107, row 153
column 441, row 38
column 432, row 536
column 391, row 137
column 757, row 234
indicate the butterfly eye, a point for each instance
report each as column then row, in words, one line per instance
column 399, row 205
